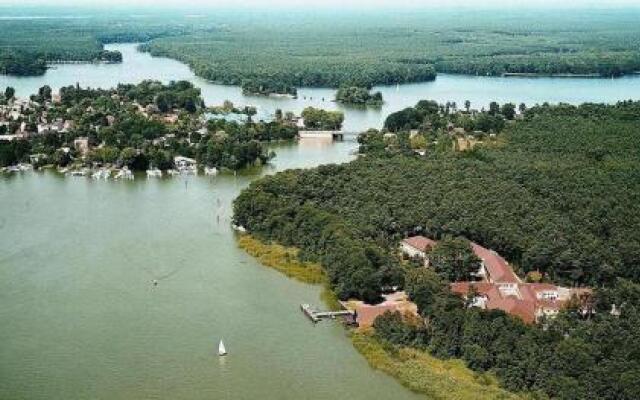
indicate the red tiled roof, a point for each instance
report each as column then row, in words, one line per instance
column 420, row 242
column 366, row 314
column 539, row 287
column 498, row 268
column 462, row 288
column 524, row 306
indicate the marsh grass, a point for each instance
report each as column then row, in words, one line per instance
column 286, row 261
column 422, row 373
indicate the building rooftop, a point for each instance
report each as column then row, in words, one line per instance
column 498, row 268
column 420, row 243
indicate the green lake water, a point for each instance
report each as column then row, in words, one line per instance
column 80, row 318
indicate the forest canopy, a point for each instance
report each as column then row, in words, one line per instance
column 367, row 49
column 275, row 53
column 555, row 195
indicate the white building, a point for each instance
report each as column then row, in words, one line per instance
column 417, row 246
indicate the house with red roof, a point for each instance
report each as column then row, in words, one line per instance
column 417, row 246
column 499, row 288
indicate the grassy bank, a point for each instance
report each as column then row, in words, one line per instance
column 422, row 373
column 283, row 259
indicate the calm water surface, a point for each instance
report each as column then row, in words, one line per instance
column 80, row 318
column 479, row 90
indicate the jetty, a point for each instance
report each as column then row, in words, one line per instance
column 317, row 315
column 333, row 135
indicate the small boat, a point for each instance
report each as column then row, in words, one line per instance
column 211, row 171
column 221, row 350
column 154, row 173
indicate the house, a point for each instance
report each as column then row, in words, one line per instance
column 81, row 144
column 184, row 163
column 170, row 118
column 528, row 301
column 36, row 158
column 67, row 125
column 498, row 288
column 365, row 314
column 494, row 268
column 417, row 246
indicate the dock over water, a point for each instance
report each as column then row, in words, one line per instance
column 333, row 135
column 317, row 315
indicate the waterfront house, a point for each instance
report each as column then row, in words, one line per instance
column 185, row 165
column 365, row 314
column 81, row 145
column 184, row 162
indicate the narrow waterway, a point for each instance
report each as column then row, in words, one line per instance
column 80, row 317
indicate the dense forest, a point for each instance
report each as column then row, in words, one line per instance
column 369, row 49
column 556, row 192
column 265, row 52
column 27, row 47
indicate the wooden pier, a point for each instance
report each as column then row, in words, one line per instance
column 317, row 316
column 333, row 135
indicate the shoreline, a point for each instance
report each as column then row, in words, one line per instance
column 414, row 369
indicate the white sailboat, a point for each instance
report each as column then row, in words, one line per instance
column 221, row 350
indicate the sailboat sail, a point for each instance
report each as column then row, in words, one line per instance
column 221, row 350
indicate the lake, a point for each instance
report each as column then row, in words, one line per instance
column 480, row 91
column 80, row 317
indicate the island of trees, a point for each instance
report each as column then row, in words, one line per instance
column 551, row 188
column 358, row 96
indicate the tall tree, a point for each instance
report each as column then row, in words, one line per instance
column 454, row 259
column 9, row 92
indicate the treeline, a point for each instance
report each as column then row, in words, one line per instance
column 181, row 95
column 358, row 95
column 603, row 63
column 21, row 63
column 429, row 115
column 267, row 87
